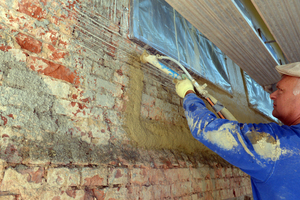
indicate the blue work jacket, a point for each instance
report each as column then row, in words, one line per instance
column 269, row 153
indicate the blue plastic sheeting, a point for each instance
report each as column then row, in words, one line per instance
column 157, row 24
column 258, row 98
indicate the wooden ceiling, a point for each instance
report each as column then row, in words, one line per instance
column 223, row 24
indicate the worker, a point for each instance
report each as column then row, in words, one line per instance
column 269, row 153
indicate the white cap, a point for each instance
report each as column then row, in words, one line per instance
column 291, row 69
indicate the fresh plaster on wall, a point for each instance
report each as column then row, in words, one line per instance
column 151, row 134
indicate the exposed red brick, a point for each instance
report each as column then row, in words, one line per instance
column 29, row 43
column 4, row 135
column 11, row 116
column 71, row 193
column 119, row 71
column 56, row 53
column 62, row 44
column 32, row 8
column 55, row 20
column 71, row 5
column 4, row 48
column 53, row 37
column 86, row 100
column 10, row 149
column 88, row 194
column 111, row 51
column 54, row 70
column 95, row 180
column 90, row 134
column 118, row 174
column 34, row 176
column 37, row 176
column 50, row 36
column 4, row 120
column 99, row 194
column 114, row 28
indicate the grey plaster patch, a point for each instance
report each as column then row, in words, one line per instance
column 39, row 134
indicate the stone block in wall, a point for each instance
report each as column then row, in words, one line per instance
column 115, row 193
column 150, row 90
column 32, row 8
column 113, row 117
column 156, row 177
column 148, row 100
column 208, row 185
column 29, row 43
column 18, row 54
column 183, row 174
column 63, row 194
column 228, row 172
column 94, row 176
column 144, row 111
column 118, row 176
column 197, row 185
column 119, row 136
column 52, row 37
column 57, row 88
column 120, row 78
column 161, row 191
column 35, row 175
column 63, row 177
column 103, row 86
column 72, row 109
column 103, row 72
column 54, row 54
column 146, row 193
column 181, row 189
column 140, row 176
column 220, row 184
column 155, row 113
column 195, row 173
column 133, row 192
column 8, row 197
column 227, row 193
column 120, row 104
column 17, row 183
column 54, row 70
column 171, row 175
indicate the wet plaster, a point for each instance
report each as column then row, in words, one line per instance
column 150, row 134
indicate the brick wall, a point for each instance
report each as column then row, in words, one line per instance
column 80, row 119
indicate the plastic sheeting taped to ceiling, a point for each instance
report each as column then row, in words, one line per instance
column 223, row 24
column 157, row 24
column 258, row 98
column 283, row 20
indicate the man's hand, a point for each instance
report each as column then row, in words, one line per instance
column 184, row 86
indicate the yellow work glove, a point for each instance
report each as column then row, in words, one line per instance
column 182, row 86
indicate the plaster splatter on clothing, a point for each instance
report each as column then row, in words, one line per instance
column 269, row 153
column 222, row 137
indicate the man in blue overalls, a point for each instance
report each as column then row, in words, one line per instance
column 269, row 153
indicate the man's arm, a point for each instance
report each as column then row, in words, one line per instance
column 228, row 138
